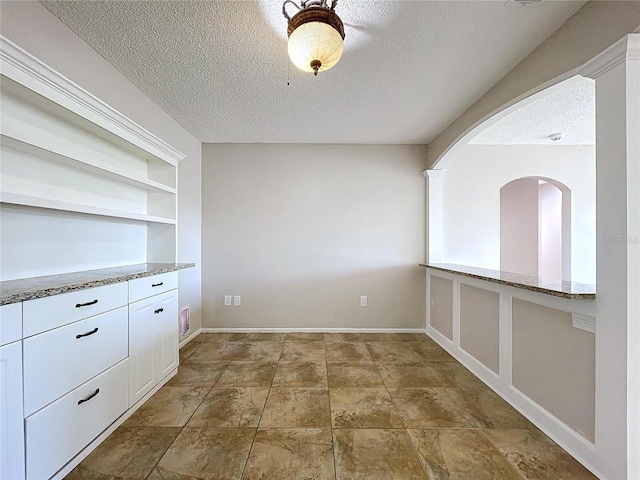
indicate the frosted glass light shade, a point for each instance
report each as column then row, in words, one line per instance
column 315, row 41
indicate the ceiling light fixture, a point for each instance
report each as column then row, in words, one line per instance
column 316, row 35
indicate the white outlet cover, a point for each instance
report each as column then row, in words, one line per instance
column 236, row 300
column 363, row 301
column 227, row 300
column 583, row 322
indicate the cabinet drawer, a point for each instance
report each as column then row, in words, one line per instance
column 47, row 313
column 59, row 360
column 147, row 286
column 61, row 430
column 10, row 323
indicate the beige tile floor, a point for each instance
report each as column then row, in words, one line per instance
column 325, row 406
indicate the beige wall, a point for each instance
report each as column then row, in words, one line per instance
column 592, row 29
column 479, row 325
column 34, row 28
column 302, row 231
column 554, row 364
column 441, row 314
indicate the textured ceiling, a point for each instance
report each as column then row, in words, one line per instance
column 220, row 68
column 568, row 108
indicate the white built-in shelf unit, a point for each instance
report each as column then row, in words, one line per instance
column 81, row 185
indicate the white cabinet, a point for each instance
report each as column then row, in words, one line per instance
column 82, row 187
column 153, row 342
column 11, row 412
column 10, row 323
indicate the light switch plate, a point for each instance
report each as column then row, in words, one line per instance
column 236, row 300
column 583, row 322
column 227, row 300
column 363, row 300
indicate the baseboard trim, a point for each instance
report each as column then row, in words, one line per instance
column 312, row 330
column 189, row 338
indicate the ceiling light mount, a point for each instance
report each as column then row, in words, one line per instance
column 556, row 137
column 316, row 35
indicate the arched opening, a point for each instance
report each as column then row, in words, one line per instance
column 535, row 228
column 548, row 140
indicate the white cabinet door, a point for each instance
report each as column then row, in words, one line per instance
column 141, row 349
column 153, row 342
column 167, row 329
column 12, row 458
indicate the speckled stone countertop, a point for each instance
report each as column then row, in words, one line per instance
column 557, row 288
column 13, row 291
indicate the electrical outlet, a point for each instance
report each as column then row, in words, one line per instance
column 363, row 300
column 236, row 300
column 433, row 303
column 227, row 300
column 583, row 322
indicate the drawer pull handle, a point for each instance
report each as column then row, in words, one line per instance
column 160, row 310
column 80, row 402
column 95, row 330
column 157, row 284
column 78, row 305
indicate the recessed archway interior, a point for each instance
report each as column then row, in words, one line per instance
column 535, row 228
column 533, row 167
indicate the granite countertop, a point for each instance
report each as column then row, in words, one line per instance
column 14, row 291
column 557, row 288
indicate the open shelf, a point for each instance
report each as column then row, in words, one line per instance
column 81, row 184
column 36, row 202
column 86, row 165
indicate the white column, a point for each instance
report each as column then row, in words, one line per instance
column 633, row 255
column 617, row 75
column 435, row 232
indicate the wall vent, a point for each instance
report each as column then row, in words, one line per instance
column 183, row 321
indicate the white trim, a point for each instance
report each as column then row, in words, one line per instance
column 578, row 446
column 434, row 173
column 582, row 306
column 73, row 463
column 24, row 68
column 435, row 220
column 627, row 47
column 455, row 313
column 187, row 339
column 562, row 434
column 500, row 112
column 505, row 369
column 612, row 56
column 312, row 330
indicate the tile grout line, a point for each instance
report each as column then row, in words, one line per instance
column 190, row 416
column 264, row 407
column 406, row 428
column 333, row 449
